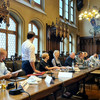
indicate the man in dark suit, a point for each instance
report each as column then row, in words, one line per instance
column 70, row 59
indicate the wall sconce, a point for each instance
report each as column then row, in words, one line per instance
column 4, row 11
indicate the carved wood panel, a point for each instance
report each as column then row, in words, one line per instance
column 90, row 45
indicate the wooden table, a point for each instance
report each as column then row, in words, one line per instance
column 96, row 74
column 42, row 89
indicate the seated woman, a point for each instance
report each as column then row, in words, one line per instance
column 56, row 61
column 44, row 65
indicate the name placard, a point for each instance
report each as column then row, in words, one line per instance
column 48, row 79
column 65, row 75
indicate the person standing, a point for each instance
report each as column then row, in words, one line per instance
column 28, row 54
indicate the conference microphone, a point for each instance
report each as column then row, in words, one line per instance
column 17, row 90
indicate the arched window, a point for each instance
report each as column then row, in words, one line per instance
column 70, row 43
column 8, row 36
column 34, row 28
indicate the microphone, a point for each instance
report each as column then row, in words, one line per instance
column 16, row 91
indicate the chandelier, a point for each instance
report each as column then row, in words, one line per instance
column 4, row 11
column 89, row 13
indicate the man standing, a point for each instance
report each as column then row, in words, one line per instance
column 28, row 54
column 4, row 73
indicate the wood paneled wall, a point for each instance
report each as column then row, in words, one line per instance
column 90, row 45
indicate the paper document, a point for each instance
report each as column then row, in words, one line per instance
column 33, row 80
column 65, row 74
column 76, row 69
column 17, row 71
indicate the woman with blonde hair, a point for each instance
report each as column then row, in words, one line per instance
column 44, row 66
column 55, row 60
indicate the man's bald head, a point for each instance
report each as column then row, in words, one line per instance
column 3, row 54
column 72, row 55
column 2, row 51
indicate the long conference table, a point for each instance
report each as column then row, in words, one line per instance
column 42, row 89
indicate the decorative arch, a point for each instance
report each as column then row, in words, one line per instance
column 21, row 29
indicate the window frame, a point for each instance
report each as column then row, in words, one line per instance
column 62, row 42
column 38, row 5
column 37, row 36
column 61, row 8
column 73, row 11
column 6, row 31
column 71, row 42
column 65, row 11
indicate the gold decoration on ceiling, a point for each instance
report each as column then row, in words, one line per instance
column 4, row 11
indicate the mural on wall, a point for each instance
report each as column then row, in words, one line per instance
column 96, row 27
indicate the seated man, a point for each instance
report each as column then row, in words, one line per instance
column 85, row 55
column 70, row 59
column 4, row 73
column 94, row 58
column 78, row 58
column 44, row 65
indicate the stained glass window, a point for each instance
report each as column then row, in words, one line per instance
column 2, row 40
column 11, row 45
column 35, row 29
column 8, row 37
column 60, row 7
column 12, row 25
column 2, row 25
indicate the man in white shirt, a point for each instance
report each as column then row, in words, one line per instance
column 28, row 54
column 4, row 73
column 94, row 58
